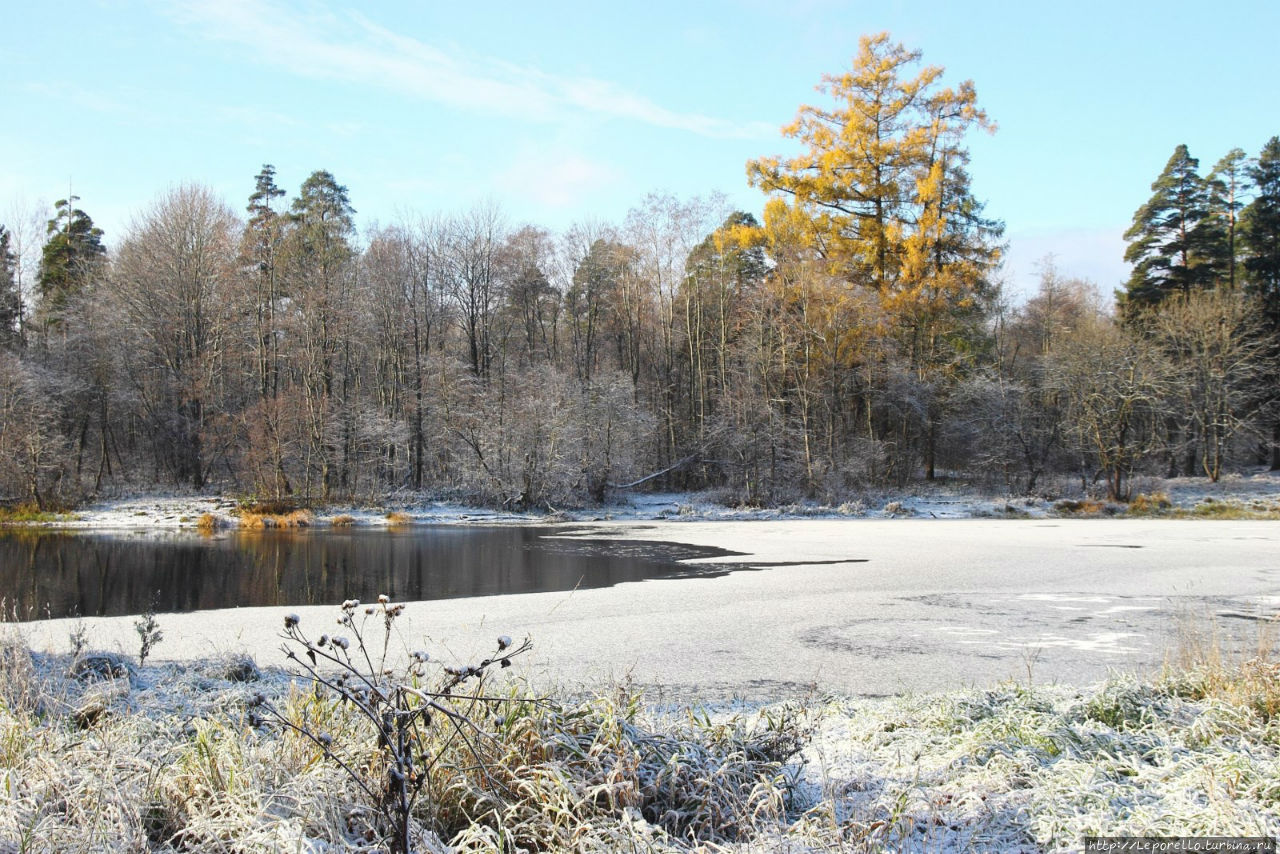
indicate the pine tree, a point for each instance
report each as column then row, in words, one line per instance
column 1260, row 227
column 1171, row 239
column 1227, row 185
column 259, row 247
column 72, row 254
column 319, row 258
column 10, row 299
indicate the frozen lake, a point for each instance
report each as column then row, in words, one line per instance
column 112, row 574
column 861, row 607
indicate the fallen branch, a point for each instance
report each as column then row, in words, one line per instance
column 649, row 477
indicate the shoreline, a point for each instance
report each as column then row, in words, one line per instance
column 1254, row 492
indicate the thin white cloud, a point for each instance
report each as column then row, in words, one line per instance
column 556, row 179
column 1096, row 254
column 354, row 49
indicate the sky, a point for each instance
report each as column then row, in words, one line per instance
column 562, row 112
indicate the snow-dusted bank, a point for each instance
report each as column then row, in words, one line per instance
column 1259, row 489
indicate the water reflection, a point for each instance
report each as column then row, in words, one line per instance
column 65, row 574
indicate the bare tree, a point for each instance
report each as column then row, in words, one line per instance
column 1113, row 383
column 32, row 448
column 468, row 267
column 1220, row 363
column 172, row 277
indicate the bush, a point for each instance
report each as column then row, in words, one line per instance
column 292, row 519
column 439, row 753
column 399, row 706
column 1152, row 504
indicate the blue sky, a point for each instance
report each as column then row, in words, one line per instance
column 565, row 111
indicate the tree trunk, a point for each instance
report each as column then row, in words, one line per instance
column 1275, row 445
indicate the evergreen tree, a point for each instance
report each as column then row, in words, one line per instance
column 72, row 254
column 1227, row 184
column 1260, row 226
column 1171, row 239
column 319, row 260
column 10, row 299
column 259, row 247
column 322, row 215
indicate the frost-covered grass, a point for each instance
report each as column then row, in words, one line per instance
column 165, row 758
column 1023, row 769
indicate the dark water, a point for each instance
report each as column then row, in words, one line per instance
column 63, row 574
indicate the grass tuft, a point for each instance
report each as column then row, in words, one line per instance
column 28, row 513
column 1083, row 507
column 292, row 519
column 1204, row 665
column 210, row 522
column 1153, row 504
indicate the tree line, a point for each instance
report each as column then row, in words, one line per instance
column 856, row 335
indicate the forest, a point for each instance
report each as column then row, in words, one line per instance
column 854, row 335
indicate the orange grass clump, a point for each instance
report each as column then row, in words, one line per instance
column 294, row 519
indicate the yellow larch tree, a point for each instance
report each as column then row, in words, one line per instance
column 880, row 198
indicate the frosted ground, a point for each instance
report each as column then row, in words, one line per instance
column 168, row 511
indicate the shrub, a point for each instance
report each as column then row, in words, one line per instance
column 292, row 519
column 1084, row 507
column 398, row 704
column 269, row 506
column 1151, row 504
column 440, row 753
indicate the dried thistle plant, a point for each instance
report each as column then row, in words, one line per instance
column 398, row 702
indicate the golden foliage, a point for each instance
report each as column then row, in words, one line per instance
column 880, row 197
